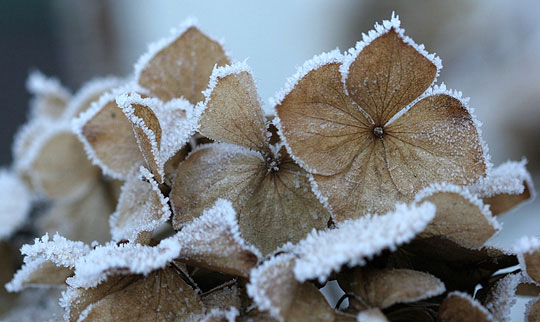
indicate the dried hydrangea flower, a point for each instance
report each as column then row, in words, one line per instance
column 373, row 130
column 270, row 192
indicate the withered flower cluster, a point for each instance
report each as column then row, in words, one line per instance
column 173, row 197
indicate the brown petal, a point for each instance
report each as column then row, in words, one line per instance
column 533, row 310
column 385, row 287
column 274, row 289
column 461, row 307
column 233, row 111
column 89, row 93
column 135, row 298
column 213, row 241
column 528, row 250
column 388, row 74
column 501, row 297
column 182, row 67
column 140, row 210
column 223, row 299
column 84, row 219
column 323, row 127
column 60, row 169
column 109, row 139
column 460, row 216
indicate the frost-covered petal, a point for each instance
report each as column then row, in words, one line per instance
column 90, row 92
column 388, row 71
column 501, row 297
column 460, row 216
column 532, row 313
column 108, row 137
column 160, row 296
column 506, row 186
column 356, row 241
column 85, row 218
column 460, row 306
column 180, row 66
column 224, row 300
column 528, row 250
column 213, row 241
column 385, row 287
column 50, row 97
column 232, row 109
column 323, row 127
column 274, row 289
column 15, row 203
column 141, row 209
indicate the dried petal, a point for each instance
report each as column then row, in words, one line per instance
column 385, row 287
column 232, row 109
column 532, row 313
column 89, row 93
column 140, row 210
column 460, row 216
column 15, row 199
column 528, row 250
column 224, row 299
column 274, row 289
column 180, row 66
column 501, row 297
column 50, row 98
column 460, row 306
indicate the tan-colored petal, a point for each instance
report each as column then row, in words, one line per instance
column 323, row 127
column 460, row 216
column 502, row 297
column 388, row 74
column 109, row 138
column 385, row 287
column 504, row 202
column 533, row 310
column 211, row 172
column 89, row 93
column 41, row 273
column 528, row 289
column 182, row 66
column 213, row 241
column 85, row 219
column 274, row 289
column 140, row 210
column 49, row 99
column 224, row 298
column 135, row 298
column 458, row 307
column 528, row 249
column 61, row 169
column 233, row 112
column 171, row 165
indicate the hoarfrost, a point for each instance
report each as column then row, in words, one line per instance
column 508, row 178
column 15, row 200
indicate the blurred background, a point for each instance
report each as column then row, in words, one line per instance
column 490, row 51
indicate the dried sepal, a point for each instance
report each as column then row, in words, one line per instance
column 15, row 199
column 84, row 218
column 528, row 250
column 180, row 66
column 353, row 242
column 383, row 288
column 460, row 306
column 213, row 241
column 532, row 312
column 386, row 136
column 47, row 262
column 275, row 290
column 506, row 186
column 501, row 297
column 460, row 216
column 140, row 210
column 50, row 97
column 232, row 110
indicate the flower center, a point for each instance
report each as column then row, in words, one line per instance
column 378, row 132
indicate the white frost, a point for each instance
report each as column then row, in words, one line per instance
column 90, row 89
column 15, row 203
column 508, row 178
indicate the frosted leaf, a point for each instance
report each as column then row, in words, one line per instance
column 371, row 315
column 501, row 297
column 460, row 216
column 528, row 250
column 213, row 241
column 274, row 289
column 354, row 242
column 140, row 210
column 506, row 186
column 274, row 207
column 159, row 296
column 232, row 109
column 85, row 218
column 90, row 92
column 220, row 315
column 460, row 306
column 532, row 312
column 15, row 203
column 55, row 163
column 111, row 259
column 47, row 262
column 387, row 134
column 180, row 66
column 50, row 97
column 108, row 137
column 383, row 288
